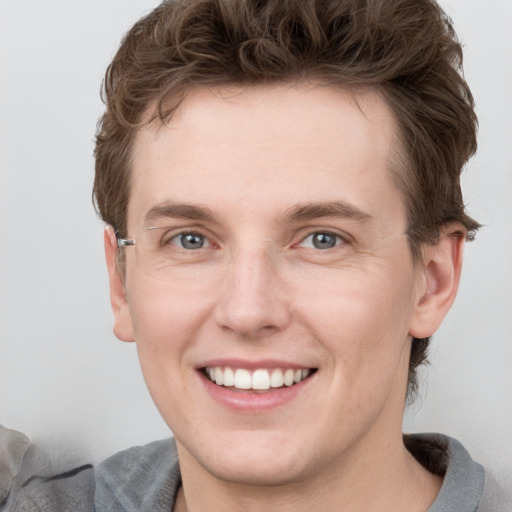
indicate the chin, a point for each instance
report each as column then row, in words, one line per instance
column 256, row 459
column 265, row 471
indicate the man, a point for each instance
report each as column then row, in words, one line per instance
column 280, row 182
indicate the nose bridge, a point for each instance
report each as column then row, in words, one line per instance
column 252, row 296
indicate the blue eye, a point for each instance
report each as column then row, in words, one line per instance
column 322, row 240
column 190, row 241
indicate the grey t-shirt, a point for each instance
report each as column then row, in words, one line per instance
column 466, row 485
column 147, row 478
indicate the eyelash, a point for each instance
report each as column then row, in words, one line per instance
column 339, row 240
column 169, row 240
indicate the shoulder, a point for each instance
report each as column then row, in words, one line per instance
column 140, row 478
column 467, row 486
column 497, row 493
column 13, row 445
column 30, row 482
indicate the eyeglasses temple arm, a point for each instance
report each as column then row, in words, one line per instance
column 123, row 242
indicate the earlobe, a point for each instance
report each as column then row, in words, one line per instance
column 439, row 281
column 123, row 327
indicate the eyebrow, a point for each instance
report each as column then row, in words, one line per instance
column 178, row 211
column 333, row 209
column 296, row 213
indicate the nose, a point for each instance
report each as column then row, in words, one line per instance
column 253, row 299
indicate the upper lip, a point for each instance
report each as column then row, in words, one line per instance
column 253, row 364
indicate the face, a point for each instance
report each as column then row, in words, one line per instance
column 283, row 260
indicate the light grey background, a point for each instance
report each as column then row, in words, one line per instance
column 64, row 378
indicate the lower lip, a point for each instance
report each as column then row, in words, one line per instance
column 253, row 403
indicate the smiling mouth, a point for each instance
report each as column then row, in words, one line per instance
column 262, row 379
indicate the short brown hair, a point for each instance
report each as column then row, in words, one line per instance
column 406, row 49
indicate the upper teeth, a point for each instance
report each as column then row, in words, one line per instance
column 262, row 378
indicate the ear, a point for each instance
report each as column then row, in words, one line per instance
column 123, row 327
column 438, row 281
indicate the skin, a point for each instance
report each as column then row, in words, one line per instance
column 262, row 291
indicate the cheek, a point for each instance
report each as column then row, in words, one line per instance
column 361, row 317
column 166, row 320
column 168, row 310
column 166, row 317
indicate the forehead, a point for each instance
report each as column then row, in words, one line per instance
column 270, row 146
